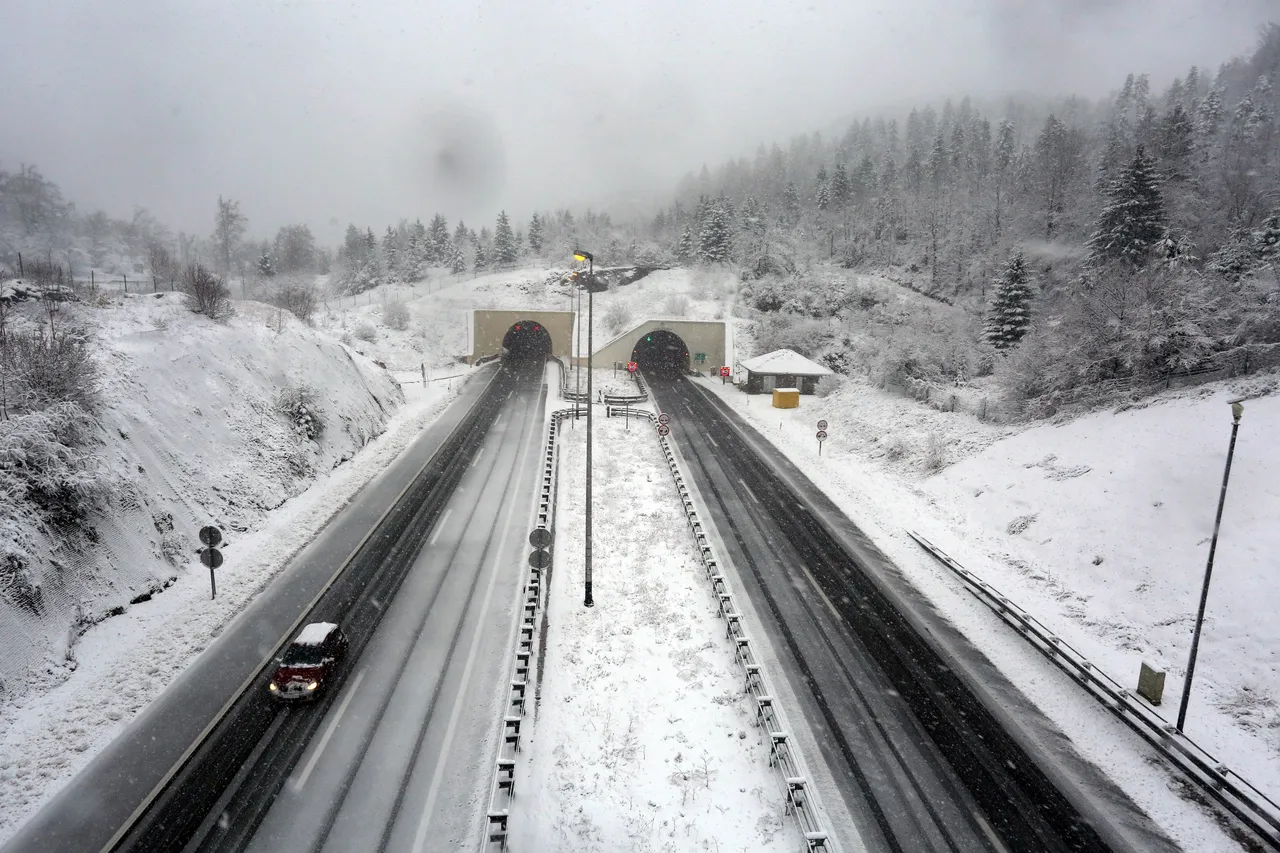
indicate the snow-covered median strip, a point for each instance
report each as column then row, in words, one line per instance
column 643, row 738
column 127, row 661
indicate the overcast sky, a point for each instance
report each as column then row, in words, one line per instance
column 318, row 110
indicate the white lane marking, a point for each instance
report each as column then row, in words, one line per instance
column 328, row 732
column 479, row 453
column 440, row 525
column 420, row 837
column 748, row 488
column 712, row 440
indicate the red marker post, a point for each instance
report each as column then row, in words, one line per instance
column 724, row 375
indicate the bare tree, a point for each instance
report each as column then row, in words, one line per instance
column 207, row 293
column 228, row 231
column 162, row 264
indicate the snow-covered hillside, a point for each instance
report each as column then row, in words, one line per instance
column 192, row 430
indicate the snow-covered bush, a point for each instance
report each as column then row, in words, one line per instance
column 49, row 478
column 805, row 335
column 206, row 292
column 365, row 331
column 396, row 315
column 296, row 295
column 298, row 404
column 617, row 315
column 935, row 452
column 676, row 305
column 828, row 385
column 40, row 366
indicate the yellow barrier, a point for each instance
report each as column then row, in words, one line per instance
column 786, row 398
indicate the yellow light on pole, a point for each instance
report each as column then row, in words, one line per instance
column 579, row 256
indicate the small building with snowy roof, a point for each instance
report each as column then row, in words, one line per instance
column 782, row 368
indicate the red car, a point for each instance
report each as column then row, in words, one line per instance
column 309, row 662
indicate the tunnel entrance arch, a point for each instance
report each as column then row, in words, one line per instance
column 526, row 340
column 661, row 351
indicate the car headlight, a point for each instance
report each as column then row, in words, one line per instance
column 272, row 687
column 313, row 685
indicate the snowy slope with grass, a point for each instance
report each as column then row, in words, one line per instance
column 198, row 423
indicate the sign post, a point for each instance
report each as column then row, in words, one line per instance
column 822, row 436
column 724, row 375
column 210, row 555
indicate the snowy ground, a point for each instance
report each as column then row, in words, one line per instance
column 124, row 662
column 1032, row 511
column 643, row 739
column 1029, row 510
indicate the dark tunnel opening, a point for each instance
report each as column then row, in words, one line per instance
column 527, row 340
column 661, row 352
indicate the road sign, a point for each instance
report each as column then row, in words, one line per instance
column 699, row 356
column 822, row 424
column 540, row 537
column 211, row 557
column 540, row 559
column 822, row 435
column 664, row 430
column 664, row 418
column 724, row 371
column 210, row 535
column 631, row 366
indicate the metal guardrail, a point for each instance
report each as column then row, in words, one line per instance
column 768, row 714
column 1253, row 808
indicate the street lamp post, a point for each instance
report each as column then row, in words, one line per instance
column 577, row 369
column 580, row 255
column 1236, row 411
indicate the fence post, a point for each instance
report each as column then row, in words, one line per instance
column 1246, row 362
column 126, row 282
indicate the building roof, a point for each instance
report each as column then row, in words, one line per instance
column 785, row 361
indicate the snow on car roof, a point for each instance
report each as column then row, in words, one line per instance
column 315, row 633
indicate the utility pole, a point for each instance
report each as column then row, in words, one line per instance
column 1236, row 411
column 580, row 255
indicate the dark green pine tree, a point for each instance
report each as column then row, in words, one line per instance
column 457, row 260
column 265, row 268
column 436, row 247
column 684, row 249
column 1010, row 314
column 715, row 241
column 461, row 233
column 482, row 258
column 504, row 242
column 1133, row 219
column 535, row 234
column 391, row 254
column 840, row 187
column 791, row 203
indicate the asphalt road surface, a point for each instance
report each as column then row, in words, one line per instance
column 137, row 774
column 921, row 761
column 405, row 750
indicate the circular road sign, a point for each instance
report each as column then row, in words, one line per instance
column 540, row 537
column 724, row 371
column 211, row 557
column 822, row 434
column 822, row 424
column 210, row 535
column 539, row 559
column 663, row 429
column 631, row 366
column 664, row 418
